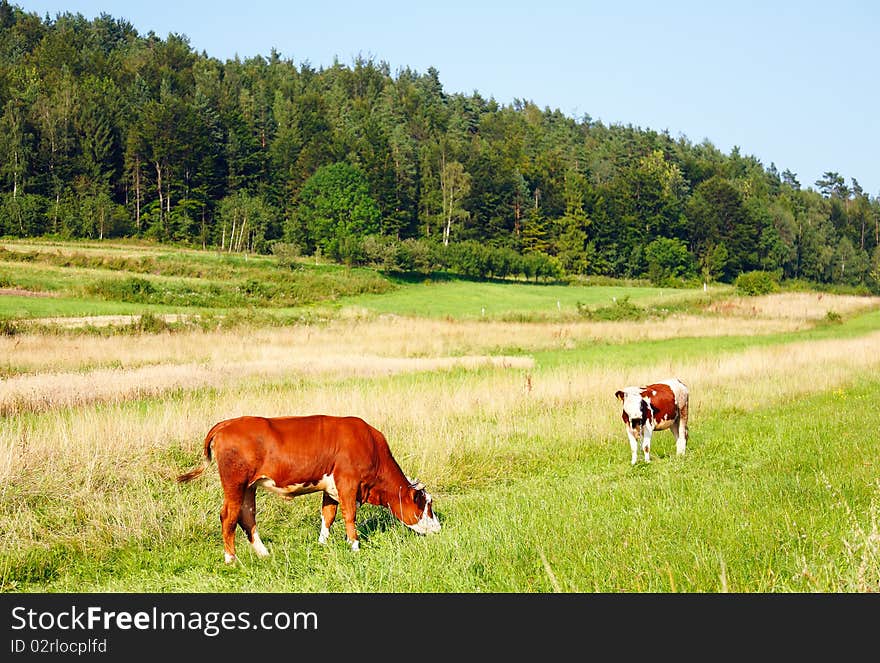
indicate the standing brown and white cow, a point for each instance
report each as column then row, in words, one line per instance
column 658, row 406
column 344, row 457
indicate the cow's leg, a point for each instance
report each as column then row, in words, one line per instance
column 680, row 428
column 646, row 442
column 229, row 515
column 247, row 520
column 348, row 502
column 633, row 444
column 328, row 515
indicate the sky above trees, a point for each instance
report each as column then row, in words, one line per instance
column 790, row 83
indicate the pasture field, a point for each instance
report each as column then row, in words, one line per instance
column 509, row 418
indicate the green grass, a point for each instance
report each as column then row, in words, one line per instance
column 14, row 306
column 89, row 280
column 763, row 502
column 188, row 283
column 492, row 300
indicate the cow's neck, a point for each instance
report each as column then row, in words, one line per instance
column 390, row 491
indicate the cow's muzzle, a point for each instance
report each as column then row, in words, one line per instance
column 427, row 524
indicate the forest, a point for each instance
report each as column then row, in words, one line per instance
column 107, row 133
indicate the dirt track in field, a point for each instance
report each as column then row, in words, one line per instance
column 100, row 320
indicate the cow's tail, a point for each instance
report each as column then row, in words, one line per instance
column 206, row 457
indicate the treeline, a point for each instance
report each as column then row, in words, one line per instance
column 108, row 133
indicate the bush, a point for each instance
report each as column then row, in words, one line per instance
column 381, row 252
column 755, row 283
column 149, row 323
column 131, row 289
column 833, row 317
column 287, row 254
column 8, row 327
column 415, row 255
column 622, row 309
column 668, row 259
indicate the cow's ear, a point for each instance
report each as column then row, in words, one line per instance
column 419, row 496
column 619, row 394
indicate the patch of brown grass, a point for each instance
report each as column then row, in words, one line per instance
column 798, row 306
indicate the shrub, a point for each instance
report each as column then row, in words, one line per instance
column 8, row 327
column 149, row 323
column 287, row 254
column 755, row 283
column 668, row 259
column 132, row 289
column 622, row 309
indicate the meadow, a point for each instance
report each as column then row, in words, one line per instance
column 498, row 396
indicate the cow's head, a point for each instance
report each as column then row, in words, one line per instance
column 636, row 409
column 417, row 510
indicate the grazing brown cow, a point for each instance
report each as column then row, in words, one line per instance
column 658, row 406
column 344, row 457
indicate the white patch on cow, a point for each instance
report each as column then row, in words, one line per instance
column 229, row 559
column 259, row 548
column 355, row 546
column 328, row 485
column 325, row 532
column 325, row 483
column 633, row 445
column 678, row 390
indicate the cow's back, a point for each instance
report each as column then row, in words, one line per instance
column 292, row 450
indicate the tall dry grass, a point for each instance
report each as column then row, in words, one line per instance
column 385, row 336
column 795, row 306
column 46, row 371
column 429, row 418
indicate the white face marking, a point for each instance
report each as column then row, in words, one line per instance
column 426, row 524
column 632, row 402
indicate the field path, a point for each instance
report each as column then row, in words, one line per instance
column 101, row 320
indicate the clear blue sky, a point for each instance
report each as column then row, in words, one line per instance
column 795, row 83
